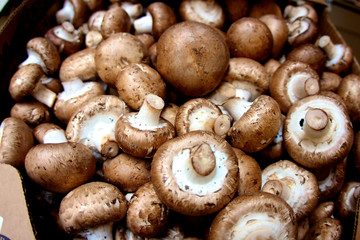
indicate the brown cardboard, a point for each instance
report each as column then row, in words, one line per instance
column 16, row 223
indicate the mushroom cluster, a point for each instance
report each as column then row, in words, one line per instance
column 188, row 119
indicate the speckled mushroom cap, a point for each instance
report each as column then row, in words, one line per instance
column 196, row 173
column 257, row 216
column 90, row 205
column 318, row 132
column 297, row 186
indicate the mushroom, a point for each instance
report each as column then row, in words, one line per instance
column 93, row 38
column 292, row 81
column 339, row 56
column 31, row 112
column 323, row 210
column 256, row 216
column 159, row 17
column 115, row 20
column 349, row 90
column 291, row 12
column 136, row 81
column 271, row 65
column 326, row 228
column 73, row 11
column 95, row 20
column 43, row 52
column 318, row 132
column 117, row 51
column 195, row 65
column 346, row 201
column 264, row 7
column 141, row 133
column 146, row 39
column 127, row 172
column 235, row 9
column 302, row 31
column 93, row 124
column 27, row 81
column 250, row 37
column 296, row 185
column 195, row 174
column 330, row 81
column 60, row 167
column 169, row 112
column 146, row 215
column 91, row 209
column 49, row 133
column 16, row 139
column 133, row 9
column 207, row 12
column 264, row 117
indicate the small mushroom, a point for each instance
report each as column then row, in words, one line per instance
column 349, row 90
column 93, row 38
column 296, row 185
column 60, row 167
column 146, row 215
column 291, row 12
column 31, row 112
column 323, row 210
column 326, row 228
column 93, row 124
column 330, row 81
column 292, row 81
column 195, row 174
column 302, row 31
column 127, row 172
column 43, row 52
column 347, row 199
column 91, row 209
column 339, row 56
column 318, row 132
column 115, row 20
column 133, row 9
column 141, row 133
column 256, row 216
column 271, row 65
column 27, row 81
column 207, row 12
column 16, row 139
column 49, row 133
column 73, row 11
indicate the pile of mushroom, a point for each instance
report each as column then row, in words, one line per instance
column 188, row 119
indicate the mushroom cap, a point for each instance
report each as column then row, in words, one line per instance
column 264, row 117
column 16, row 139
column 303, row 30
column 302, row 189
column 261, row 215
column 292, row 81
column 349, row 91
column 346, row 201
column 127, row 172
column 330, row 81
column 60, row 167
column 117, row 51
column 333, row 144
column 264, row 7
column 181, row 187
column 147, row 216
column 115, row 20
column 163, row 17
column 250, row 37
column 90, row 205
column 32, row 112
column 196, row 114
column 195, row 65
column 235, row 9
column 326, row 228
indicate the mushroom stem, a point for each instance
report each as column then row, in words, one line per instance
column 328, row 46
column 278, row 188
column 222, row 125
column 304, row 85
column 134, row 10
column 236, row 107
column 100, row 232
column 73, row 86
column 33, row 57
column 202, row 159
column 44, row 95
column 144, row 24
column 316, row 122
column 66, row 13
column 150, row 111
column 109, row 149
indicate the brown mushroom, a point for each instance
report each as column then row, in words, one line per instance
column 16, row 139
column 263, row 7
column 195, row 65
column 236, row 9
column 31, row 112
column 115, row 20
column 330, row 81
column 256, row 216
column 302, row 31
column 346, row 201
column 195, row 174
column 323, row 210
column 326, row 228
column 49, row 133
column 73, row 11
column 291, row 12
column 60, row 167
column 349, row 90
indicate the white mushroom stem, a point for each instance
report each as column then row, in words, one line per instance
column 144, row 24
column 102, row 232
column 278, row 188
column 44, row 95
column 237, row 107
column 73, row 86
column 222, row 125
column 33, row 57
column 301, row 85
column 150, row 111
column 316, row 123
column 202, row 159
column 134, row 10
column 66, row 13
column 54, row 136
column 333, row 51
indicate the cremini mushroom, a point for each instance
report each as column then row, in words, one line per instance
column 323, row 210
column 16, row 139
column 127, row 172
column 330, row 81
column 60, row 167
column 141, row 133
column 256, row 216
column 49, row 133
column 291, row 12
column 93, row 124
column 31, row 112
column 349, row 90
column 302, row 31
column 326, row 228
column 73, row 11
column 264, row 7
column 296, row 185
column 346, row 201
column 146, row 215
column 115, row 20
column 207, row 12
column 91, row 209
column 195, row 174
column 195, row 65
column 318, row 132
column 292, row 81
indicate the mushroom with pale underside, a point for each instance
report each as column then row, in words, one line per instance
column 141, row 133
column 195, row 174
column 323, row 210
column 346, row 201
column 31, row 112
column 264, row 117
column 296, row 185
column 256, row 216
column 93, row 124
column 291, row 12
column 49, row 133
column 73, row 11
column 318, row 132
column 60, row 167
column 302, row 31
column 91, row 209
column 16, row 139
column 292, row 81
column 326, row 228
